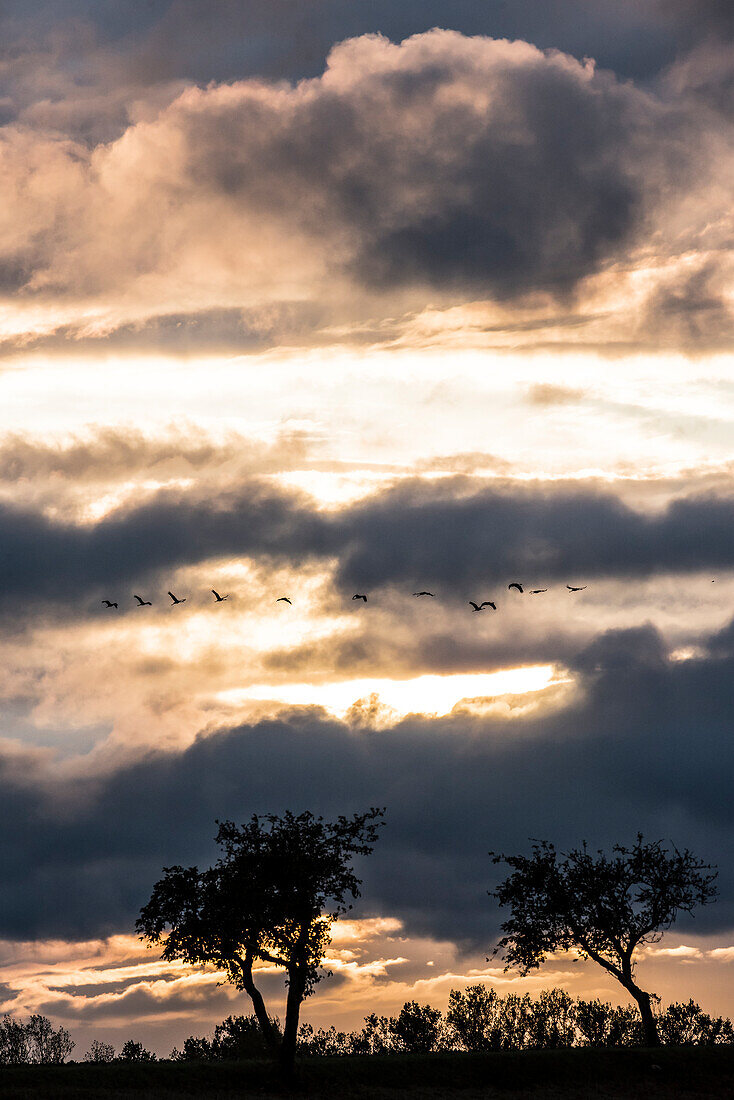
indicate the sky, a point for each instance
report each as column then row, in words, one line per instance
column 316, row 299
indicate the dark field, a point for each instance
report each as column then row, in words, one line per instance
column 542, row 1075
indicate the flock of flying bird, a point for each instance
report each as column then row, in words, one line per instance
column 357, row 596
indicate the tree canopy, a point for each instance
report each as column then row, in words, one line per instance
column 270, row 897
column 603, row 906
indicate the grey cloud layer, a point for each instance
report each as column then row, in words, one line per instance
column 451, row 536
column 193, row 39
column 110, row 453
column 646, row 745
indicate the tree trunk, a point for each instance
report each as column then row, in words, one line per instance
column 649, row 1024
column 269, row 1033
column 296, row 988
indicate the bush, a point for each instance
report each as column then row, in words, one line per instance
column 36, row 1042
column 374, row 1038
column 474, row 1018
column 516, row 1012
column 688, row 1025
column 600, row 1024
column 417, row 1029
column 100, row 1052
column 14, row 1048
column 236, row 1039
column 195, row 1049
column 477, row 1019
column 135, row 1052
column 323, row 1044
column 552, row 1020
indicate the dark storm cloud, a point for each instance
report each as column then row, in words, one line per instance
column 646, row 745
column 44, row 560
column 448, row 535
column 439, row 536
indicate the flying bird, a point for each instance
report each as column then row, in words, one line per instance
column 141, row 601
column 175, row 600
column 359, row 596
column 537, row 591
column 572, row 589
column 109, row 603
column 217, row 597
column 284, row 599
column 423, row 593
column 515, row 585
column 481, row 606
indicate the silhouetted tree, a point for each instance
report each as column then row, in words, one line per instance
column 515, row 1022
column 417, row 1029
column 195, row 1049
column 474, row 1018
column 271, row 897
column 100, row 1052
column 688, row 1025
column 375, row 1037
column 324, row 1043
column 600, row 1024
column 240, row 1037
column 36, row 1041
column 48, row 1045
column 14, row 1046
column 551, row 1020
column 603, row 906
column 236, row 1039
column 133, row 1051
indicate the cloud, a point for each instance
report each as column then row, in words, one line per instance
column 444, row 165
column 701, row 16
column 547, row 393
column 705, row 72
column 107, row 454
column 692, row 308
column 643, row 744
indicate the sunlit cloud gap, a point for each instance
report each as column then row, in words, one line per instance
column 429, row 694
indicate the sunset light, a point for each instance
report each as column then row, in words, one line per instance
column 366, row 508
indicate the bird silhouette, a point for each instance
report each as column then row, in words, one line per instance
column 537, row 591
column 141, row 601
column 481, row 606
column 284, row 599
column 109, row 603
column 423, row 594
column 359, row 596
column 175, row 600
column 572, row 589
column 515, row 585
column 217, row 597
